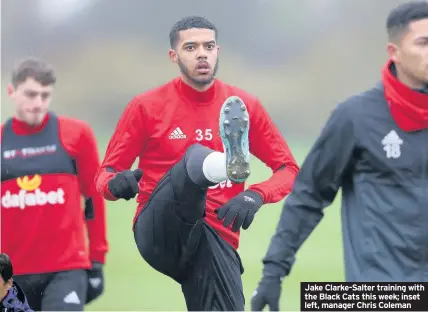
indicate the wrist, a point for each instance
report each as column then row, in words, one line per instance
column 97, row 265
column 256, row 196
column 108, row 195
column 98, row 256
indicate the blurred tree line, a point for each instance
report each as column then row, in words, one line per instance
column 300, row 57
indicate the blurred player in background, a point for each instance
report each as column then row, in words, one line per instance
column 12, row 298
column 193, row 137
column 48, row 163
column 374, row 147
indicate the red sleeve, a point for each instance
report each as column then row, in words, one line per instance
column 83, row 147
column 124, row 147
column 268, row 145
column 1, row 131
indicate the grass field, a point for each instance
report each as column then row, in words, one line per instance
column 132, row 285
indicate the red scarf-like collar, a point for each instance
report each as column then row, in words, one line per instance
column 408, row 107
column 194, row 96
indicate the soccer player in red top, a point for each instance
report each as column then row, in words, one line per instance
column 193, row 137
column 48, row 163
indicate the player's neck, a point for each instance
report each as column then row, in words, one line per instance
column 19, row 126
column 194, row 95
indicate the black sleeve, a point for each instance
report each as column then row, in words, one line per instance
column 314, row 189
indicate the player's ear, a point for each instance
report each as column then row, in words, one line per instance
column 173, row 56
column 393, row 52
column 10, row 90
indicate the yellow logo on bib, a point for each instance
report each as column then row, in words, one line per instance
column 29, row 184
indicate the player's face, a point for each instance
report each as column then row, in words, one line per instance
column 196, row 54
column 411, row 54
column 32, row 101
column 4, row 287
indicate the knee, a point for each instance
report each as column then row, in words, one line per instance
column 197, row 149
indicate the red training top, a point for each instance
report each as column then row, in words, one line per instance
column 42, row 216
column 159, row 125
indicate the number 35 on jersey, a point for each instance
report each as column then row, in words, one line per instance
column 204, row 134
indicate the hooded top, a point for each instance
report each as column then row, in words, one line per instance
column 15, row 300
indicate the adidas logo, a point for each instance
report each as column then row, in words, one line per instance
column 72, row 298
column 392, row 145
column 249, row 199
column 392, row 138
column 177, row 134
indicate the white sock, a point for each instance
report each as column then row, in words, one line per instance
column 214, row 167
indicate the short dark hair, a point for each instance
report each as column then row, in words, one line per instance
column 6, row 268
column 400, row 17
column 33, row 68
column 188, row 23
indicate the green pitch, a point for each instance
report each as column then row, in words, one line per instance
column 131, row 285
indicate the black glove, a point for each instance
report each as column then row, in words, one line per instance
column 242, row 208
column 125, row 184
column 95, row 282
column 267, row 293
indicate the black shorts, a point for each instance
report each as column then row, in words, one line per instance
column 192, row 253
column 59, row 291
